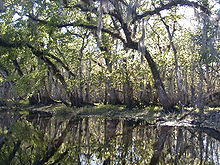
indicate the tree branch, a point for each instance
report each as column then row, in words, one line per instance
column 169, row 6
column 91, row 27
column 51, row 65
column 38, row 53
column 61, row 62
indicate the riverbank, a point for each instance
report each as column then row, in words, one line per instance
column 153, row 114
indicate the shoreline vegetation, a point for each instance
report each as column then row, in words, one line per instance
column 131, row 53
column 155, row 115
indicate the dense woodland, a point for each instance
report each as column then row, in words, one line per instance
column 132, row 52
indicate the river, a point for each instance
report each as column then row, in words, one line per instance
column 42, row 139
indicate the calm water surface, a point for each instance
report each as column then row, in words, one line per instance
column 42, row 139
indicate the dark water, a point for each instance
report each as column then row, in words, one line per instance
column 40, row 139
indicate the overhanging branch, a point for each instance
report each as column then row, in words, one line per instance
column 169, row 5
column 37, row 53
column 73, row 24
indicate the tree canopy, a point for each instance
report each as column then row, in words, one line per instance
column 132, row 52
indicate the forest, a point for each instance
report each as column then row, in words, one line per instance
column 118, row 52
column 106, row 82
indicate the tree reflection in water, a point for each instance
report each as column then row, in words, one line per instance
column 44, row 139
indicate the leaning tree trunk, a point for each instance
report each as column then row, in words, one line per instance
column 164, row 100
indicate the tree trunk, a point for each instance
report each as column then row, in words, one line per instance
column 192, row 102
column 200, row 100
column 164, row 100
column 112, row 97
column 170, row 36
column 87, row 95
column 208, row 80
column 44, row 95
column 186, row 91
column 81, row 84
column 74, row 98
column 170, row 81
column 145, row 93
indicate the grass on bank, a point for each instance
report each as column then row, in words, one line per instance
column 101, row 110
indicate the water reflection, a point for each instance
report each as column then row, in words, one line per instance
column 43, row 139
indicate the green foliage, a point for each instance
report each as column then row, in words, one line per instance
column 66, row 35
